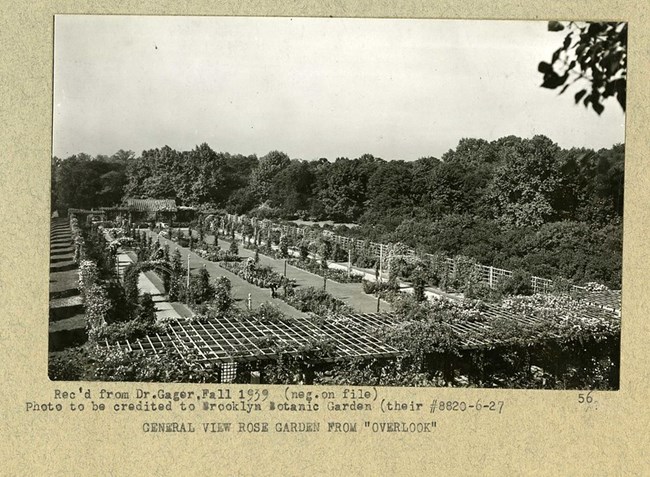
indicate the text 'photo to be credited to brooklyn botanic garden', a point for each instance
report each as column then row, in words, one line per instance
column 350, row 202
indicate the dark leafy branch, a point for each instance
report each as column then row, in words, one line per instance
column 592, row 53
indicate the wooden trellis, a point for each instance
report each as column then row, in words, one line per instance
column 476, row 333
column 489, row 275
column 225, row 339
column 609, row 300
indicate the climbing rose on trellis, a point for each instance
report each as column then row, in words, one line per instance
column 97, row 306
column 88, row 275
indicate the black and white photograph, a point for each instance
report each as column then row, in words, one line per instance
column 337, row 201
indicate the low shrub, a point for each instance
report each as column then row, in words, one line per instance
column 517, row 284
column 122, row 331
column 340, row 276
column 261, row 276
column 268, row 313
column 70, row 365
column 317, row 301
column 374, row 288
column 482, row 291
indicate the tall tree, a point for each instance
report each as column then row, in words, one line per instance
column 292, row 187
column 390, row 191
column 343, row 187
column 526, row 180
column 262, row 177
column 83, row 182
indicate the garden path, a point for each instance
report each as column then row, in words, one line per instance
column 350, row 293
column 150, row 282
column 368, row 274
column 240, row 287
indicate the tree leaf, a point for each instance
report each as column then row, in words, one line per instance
column 621, row 92
column 556, row 55
column 595, row 28
column 555, row 26
column 599, row 108
column 578, row 96
column 552, row 80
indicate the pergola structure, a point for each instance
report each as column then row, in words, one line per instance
column 227, row 340
column 472, row 334
column 610, row 300
column 150, row 209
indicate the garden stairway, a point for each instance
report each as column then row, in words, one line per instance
column 67, row 324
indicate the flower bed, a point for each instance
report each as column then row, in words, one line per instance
column 340, row 276
column 120, row 242
column 263, row 277
column 263, row 249
column 217, row 255
column 115, row 232
column 304, row 299
column 316, row 301
column 312, row 266
column 388, row 291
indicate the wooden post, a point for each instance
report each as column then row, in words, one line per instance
column 188, row 272
column 349, row 262
column 324, row 283
column 491, row 279
column 378, row 302
column 285, row 267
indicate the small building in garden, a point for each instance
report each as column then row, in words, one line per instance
column 185, row 214
column 147, row 210
column 114, row 213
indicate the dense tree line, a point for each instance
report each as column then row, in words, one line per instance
column 199, row 176
column 512, row 202
column 82, row 181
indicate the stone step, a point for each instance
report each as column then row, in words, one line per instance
column 60, row 238
column 62, row 266
column 67, row 333
column 62, row 251
column 62, row 281
column 61, row 258
column 64, row 293
column 62, row 308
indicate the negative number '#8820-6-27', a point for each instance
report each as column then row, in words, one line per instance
column 494, row 406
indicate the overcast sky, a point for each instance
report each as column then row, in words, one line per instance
column 397, row 89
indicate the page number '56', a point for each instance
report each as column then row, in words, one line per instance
column 585, row 398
